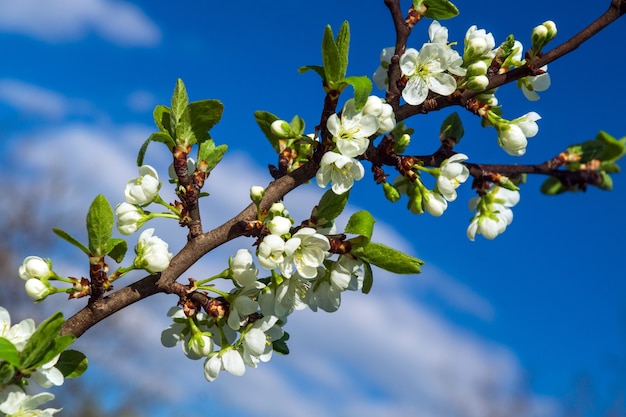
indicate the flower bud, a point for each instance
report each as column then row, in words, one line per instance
column 281, row 128
column 477, row 68
column 477, row 83
column 256, row 194
column 277, row 209
column 540, row 36
column 279, row 225
column 551, row 26
column 129, row 218
column 434, row 204
column 402, row 143
column 201, row 345
column 34, row 267
column 36, row 289
column 512, row 139
column 391, row 192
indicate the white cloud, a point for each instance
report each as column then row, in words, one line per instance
column 141, row 101
column 68, row 20
column 32, row 99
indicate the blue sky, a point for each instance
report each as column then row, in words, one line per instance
column 537, row 307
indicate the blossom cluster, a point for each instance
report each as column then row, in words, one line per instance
column 351, row 132
column 255, row 310
column 493, row 212
column 13, row 400
column 449, row 176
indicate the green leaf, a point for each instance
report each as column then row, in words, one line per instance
column 264, row 120
column 211, row 154
column 316, row 68
column 204, row 115
column 613, row 149
column 388, row 259
column 180, row 99
column 70, row 239
column 72, row 363
column 41, row 341
column 7, row 373
column 361, row 223
column 362, row 88
column 368, row 278
column 162, row 118
column 452, row 128
column 280, row 345
column 297, row 125
column 343, row 46
column 100, row 222
column 57, row 346
column 331, row 59
column 163, row 137
column 8, row 352
column 117, row 249
column 440, row 9
column 552, row 186
column 607, row 182
column 331, row 205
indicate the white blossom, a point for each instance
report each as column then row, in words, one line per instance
column 351, row 132
column 425, row 71
column 227, row 359
column 270, row 251
column 48, row 375
column 452, row 174
column 383, row 113
column 17, row 334
column 434, row 203
column 16, row 403
column 478, row 45
column 129, row 218
column 243, row 269
column 152, row 252
column 493, row 212
column 340, row 170
column 380, row 76
column 143, row 190
column 306, row 250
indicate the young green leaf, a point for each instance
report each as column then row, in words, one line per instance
column 361, row 223
column 552, row 186
column 264, row 120
column 204, row 114
column 163, row 137
column 280, row 345
column 362, row 88
column 613, row 149
column 7, row 372
column 368, row 278
column 331, row 60
column 331, row 205
column 440, row 9
column 162, row 118
column 211, row 154
column 180, row 99
column 343, row 46
column 57, row 345
column 70, row 239
column 100, row 222
column 8, row 352
column 316, row 68
column 40, row 341
column 297, row 125
column 452, row 128
column 117, row 249
column 388, row 259
column 72, row 363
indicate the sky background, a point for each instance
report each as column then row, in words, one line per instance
column 532, row 323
